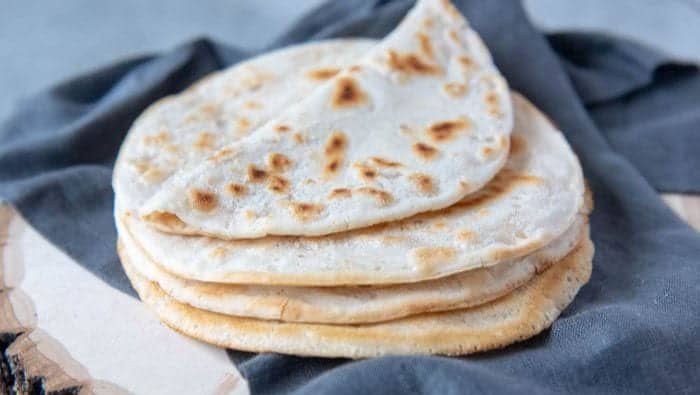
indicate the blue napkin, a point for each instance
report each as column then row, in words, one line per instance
column 631, row 115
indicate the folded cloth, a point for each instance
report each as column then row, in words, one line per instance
column 645, row 105
column 629, row 113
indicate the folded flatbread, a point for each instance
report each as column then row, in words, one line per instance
column 417, row 123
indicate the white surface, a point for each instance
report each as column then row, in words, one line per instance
column 111, row 334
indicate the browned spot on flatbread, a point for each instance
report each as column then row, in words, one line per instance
column 140, row 166
column 491, row 98
column 440, row 226
column 256, row 80
column 444, row 131
column 503, row 183
column 336, row 143
column 322, row 73
column 331, row 167
column 256, row 174
column 520, row 249
column 222, row 154
column 252, row 104
column 410, row 63
column 487, row 151
column 218, row 253
column 209, row 108
column 282, row 128
column 455, row 89
column 347, row 94
column 425, row 45
column 424, row 183
column 172, row 148
column 191, row 118
column 389, row 240
column 157, row 139
column 365, row 172
column 493, row 104
column 382, row 162
column 429, row 259
column 236, row 190
column 408, row 131
column 169, row 220
column 153, row 174
column 250, row 214
column 204, row 141
column 340, row 193
column 306, row 211
column 454, row 36
column 278, row 163
column 243, row 124
column 278, row 184
column 466, row 62
column 298, row 138
column 466, row 235
column 334, row 151
column 425, row 151
column 427, row 23
column 355, row 68
column 201, row 200
column 383, row 198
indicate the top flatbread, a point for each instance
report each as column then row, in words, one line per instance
column 531, row 202
column 420, row 121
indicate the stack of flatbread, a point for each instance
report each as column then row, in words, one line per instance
column 354, row 198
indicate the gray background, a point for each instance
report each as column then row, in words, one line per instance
column 42, row 42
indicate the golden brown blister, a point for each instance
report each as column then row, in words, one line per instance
column 306, row 211
column 204, row 201
column 348, row 94
column 425, row 151
column 278, row 163
column 444, row 131
column 323, row 73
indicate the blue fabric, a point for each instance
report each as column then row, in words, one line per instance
column 629, row 113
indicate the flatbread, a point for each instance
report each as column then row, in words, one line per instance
column 348, row 305
column 222, row 107
column 519, row 315
column 420, row 121
column 532, row 201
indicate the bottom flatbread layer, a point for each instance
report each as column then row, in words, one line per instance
column 519, row 315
